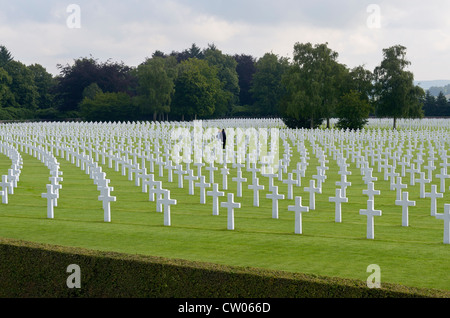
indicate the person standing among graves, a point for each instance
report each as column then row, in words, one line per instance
column 224, row 138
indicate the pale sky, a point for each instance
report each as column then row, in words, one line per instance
column 49, row 32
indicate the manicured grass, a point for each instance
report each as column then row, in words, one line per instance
column 413, row 256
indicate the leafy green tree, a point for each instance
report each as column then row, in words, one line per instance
column 155, row 86
column 395, row 93
column 228, row 96
column 313, row 83
column 22, row 87
column 5, row 91
column 429, row 106
column 45, row 84
column 246, row 68
column 353, row 110
column 73, row 79
column 5, row 56
column 267, row 87
column 108, row 107
column 196, row 89
column 91, row 91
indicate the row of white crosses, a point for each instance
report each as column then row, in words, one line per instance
column 10, row 180
column 374, row 154
column 390, row 174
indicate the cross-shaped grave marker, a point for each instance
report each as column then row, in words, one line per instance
column 405, row 203
column 338, row 199
column 225, row 172
column 298, row 209
column 230, row 205
column 166, row 202
column 370, row 212
column 239, row 180
column 312, row 189
column 275, row 196
column 290, row 184
column 191, row 178
column 215, row 193
column 51, row 196
column 6, row 188
column 422, row 180
column 433, row 195
column 446, row 217
column 255, row 187
column 202, row 185
column 370, row 191
column 106, row 198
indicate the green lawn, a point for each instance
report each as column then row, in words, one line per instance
column 413, row 256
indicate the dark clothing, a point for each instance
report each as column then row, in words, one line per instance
column 224, row 138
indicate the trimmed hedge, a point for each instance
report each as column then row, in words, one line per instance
column 35, row 270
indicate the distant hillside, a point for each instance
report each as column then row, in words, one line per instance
column 435, row 83
column 435, row 87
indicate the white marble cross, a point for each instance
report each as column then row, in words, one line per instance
column 312, row 193
column 298, row 209
column 370, row 212
column 446, row 217
column 275, row 196
column 422, row 180
column 191, row 178
column 106, row 198
column 6, row 188
column 290, row 184
column 159, row 191
column 370, row 191
column 215, row 193
column 299, row 171
column 338, row 199
column 179, row 171
column 344, row 184
column 433, row 195
column 255, row 187
column 211, row 170
column 51, row 196
column 170, row 167
column 442, row 176
column 166, row 202
column 405, row 203
column 230, row 205
column 56, row 187
column 202, row 185
column 239, row 180
column 398, row 186
column 225, row 172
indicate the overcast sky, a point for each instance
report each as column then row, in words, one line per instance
column 51, row 32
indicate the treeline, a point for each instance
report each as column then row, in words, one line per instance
column 436, row 106
column 206, row 83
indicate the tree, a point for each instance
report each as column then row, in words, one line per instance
column 5, row 56
column 313, row 83
column 73, row 79
column 429, row 105
column 45, row 84
column 395, row 93
column 23, row 88
column 352, row 110
column 155, row 86
column 196, row 89
column 91, row 91
column 6, row 97
column 245, row 69
column 228, row 95
column 107, row 107
column 267, row 88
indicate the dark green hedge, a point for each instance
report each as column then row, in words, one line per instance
column 35, row 271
